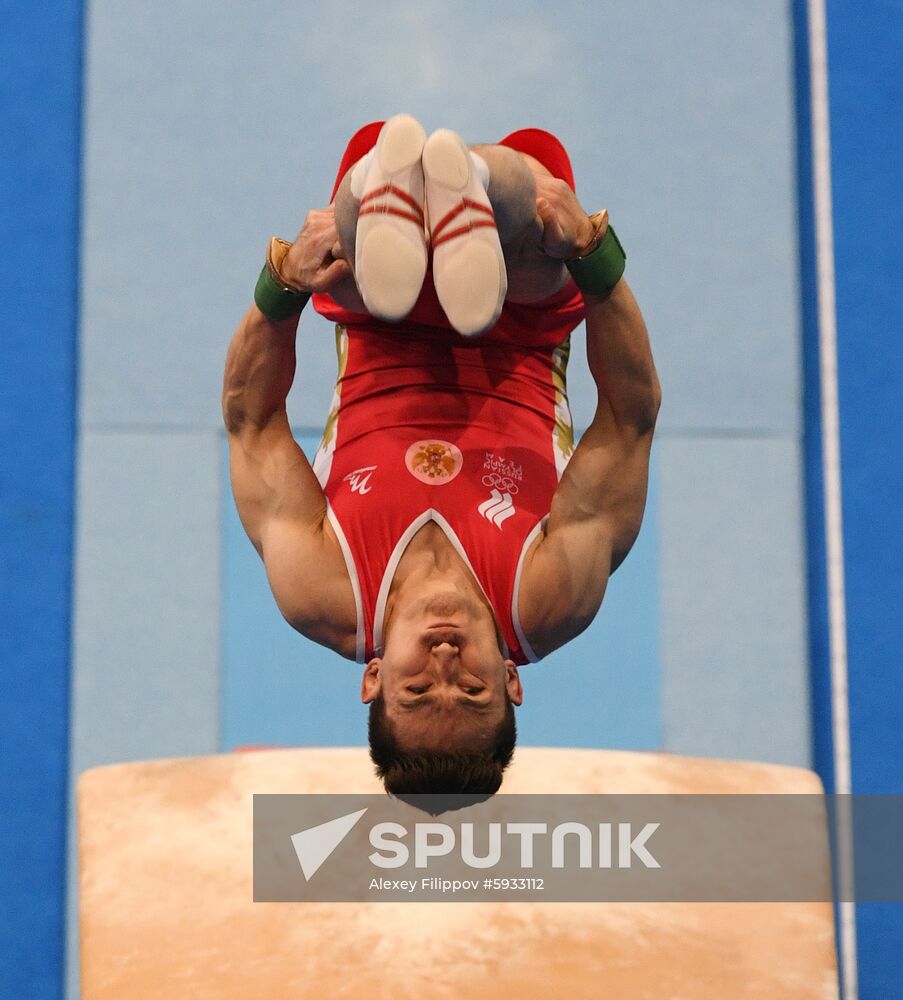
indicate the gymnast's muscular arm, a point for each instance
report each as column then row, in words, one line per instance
column 278, row 497
column 598, row 506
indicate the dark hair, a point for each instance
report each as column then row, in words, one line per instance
column 466, row 775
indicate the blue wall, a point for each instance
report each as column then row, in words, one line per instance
column 40, row 83
column 866, row 94
column 170, row 609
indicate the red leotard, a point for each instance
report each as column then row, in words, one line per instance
column 425, row 425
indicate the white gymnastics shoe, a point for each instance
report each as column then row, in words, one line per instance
column 390, row 255
column 468, row 263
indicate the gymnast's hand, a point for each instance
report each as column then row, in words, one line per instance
column 567, row 229
column 315, row 262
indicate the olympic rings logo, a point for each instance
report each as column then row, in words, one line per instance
column 504, row 484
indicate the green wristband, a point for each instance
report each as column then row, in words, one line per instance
column 275, row 300
column 598, row 272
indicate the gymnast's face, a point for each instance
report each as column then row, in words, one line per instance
column 442, row 675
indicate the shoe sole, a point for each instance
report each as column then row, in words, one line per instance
column 470, row 276
column 391, row 268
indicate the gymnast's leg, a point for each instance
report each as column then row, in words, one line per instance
column 514, row 182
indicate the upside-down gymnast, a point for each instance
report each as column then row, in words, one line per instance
column 448, row 530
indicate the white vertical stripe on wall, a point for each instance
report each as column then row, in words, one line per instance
column 831, row 476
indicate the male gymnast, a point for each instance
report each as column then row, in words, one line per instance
column 448, row 530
